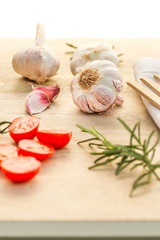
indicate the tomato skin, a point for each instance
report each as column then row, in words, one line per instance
column 56, row 138
column 25, row 174
column 36, row 149
column 20, row 177
column 23, row 128
column 7, row 151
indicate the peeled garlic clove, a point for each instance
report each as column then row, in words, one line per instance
column 36, row 62
column 91, row 52
column 36, row 102
column 51, row 91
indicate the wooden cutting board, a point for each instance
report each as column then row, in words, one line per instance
column 65, row 189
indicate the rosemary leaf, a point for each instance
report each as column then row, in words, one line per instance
column 87, row 140
column 95, row 144
column 4, row 130
column 129, row 130
column 4, row 122
column 137, row 153
column 103, row 163
column 71, row 45
column 120, row 54
column 156, row 143
column 139, row 131
column 122, row 165
column 136, row 165
column 137, row 183
column 132, row 134
column 149, row 138
column 69, row 52
column 158, row 178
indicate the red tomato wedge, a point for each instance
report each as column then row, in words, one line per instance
column 20, row 169
column 56, row 138
column 23, row 128
column 7, row 151
column 35, row 149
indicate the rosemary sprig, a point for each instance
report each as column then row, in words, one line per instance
column 137, row 154
column 4, row 130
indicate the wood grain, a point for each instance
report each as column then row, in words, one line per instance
column 155, row 87
column 146, row 93
column 65, row 189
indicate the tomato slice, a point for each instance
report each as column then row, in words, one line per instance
column 35, row 149
column 24, row 128
column 20, row 169
column 7, row 151
column 57, row 138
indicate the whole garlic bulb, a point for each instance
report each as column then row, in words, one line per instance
column 96, row 87
column 36, row 62
column 91, row 52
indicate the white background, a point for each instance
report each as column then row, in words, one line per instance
column 81, row 18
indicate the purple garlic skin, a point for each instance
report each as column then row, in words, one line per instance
column 51, row 91
column 96, row 87
column 40, row 98
column 36, row 102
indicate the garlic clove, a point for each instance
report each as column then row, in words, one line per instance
column 76, row 93
column 105, row 95
column 36, row 102
column 118, row 85
column 51, row 91
column 83, row 105
column 94, row 104
column 36, row 62
column 76, row 64
column 119, row 101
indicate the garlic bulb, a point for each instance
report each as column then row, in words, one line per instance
column 91, row 52
column 36, row 62
column 96, row 87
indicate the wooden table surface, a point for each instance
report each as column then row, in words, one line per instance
column 65, row 190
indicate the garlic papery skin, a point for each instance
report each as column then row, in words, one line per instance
column 96, row 87
column 52, row 92
column 36, row 62
column 119, row 101
column 36, row 102
column 91, row 52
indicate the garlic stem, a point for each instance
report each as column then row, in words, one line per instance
column 40, row 40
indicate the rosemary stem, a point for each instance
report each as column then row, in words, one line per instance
column 136, row 154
